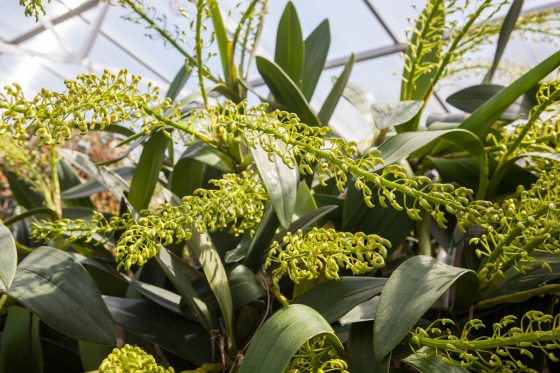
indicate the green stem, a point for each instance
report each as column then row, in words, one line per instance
column 423, row 234
column 165, row 35
column 491, row 343
column 57, row 203
column 275, row 290
column 198, row 41
column 505, row 159
column 518, row 297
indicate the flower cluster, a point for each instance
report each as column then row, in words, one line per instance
column 236, row 203
column 129, row 359
column 90, row 103
column 33, row 8
column 306, row 147
column 317, row 355
column 526, row 224
column 30, row 165
column 506, row 350
column 540, row 135
column 325, row 251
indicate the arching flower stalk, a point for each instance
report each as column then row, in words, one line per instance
column 506, row 350
column 237, row 203
column 305, row 257
column 317, row 355
column 129, row 359
column 521, row 227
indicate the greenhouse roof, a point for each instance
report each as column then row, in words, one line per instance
column 77, row 36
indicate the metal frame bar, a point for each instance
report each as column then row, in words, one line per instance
column 55, row 21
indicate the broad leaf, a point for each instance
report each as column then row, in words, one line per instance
column 8, row 253
column 482, row 118
column 115, row 184
column 93, row 186
column 411, row 290
column 431, row 363
column 276, row 342
column 21, row 345
column 290, row 48
column 391, row 114
column 402, row 145
column 332, row 99
column 333, row 299
column 147, row 171
column 244, row 286
column 360, row 350
column 213, row 268
column 281, row 183
column 362, row 312
column 155, row 324
column 56, row 288
column 286, row 91
column 181, row 276
column 209, row 155
column 254, row 250
column 69, row 179
column 471, row 98
column 316, row 50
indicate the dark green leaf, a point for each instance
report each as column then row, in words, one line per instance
column 208, row 154
column 332, row 99
column 172, row 332
column 181, row 276
column 290, row 51
column 186, row 177
column 149, row 165
column 92, row 354
column 69, row 179
column 56, row 288
column 316, row 50
column 286, row 91
column 255, row 253
column 471, row 98
column 431, row 363
column 410, row 291
column 93, row 186
column 402, row 145
column 147, row 171
column 23, row 193
column 508, row 25
column 466, row 172
column 360, row 350
column 391, row 114
column 162, row 297
column 21, row 345
column 482, row 118
column 115, row 184
column 305, row 203
column 244, row 286
column 39, row 211
column 333, row 299
column 8, row 253
column 281, row 183
column 362, row 312
column 276, row 342
column 213, row 268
